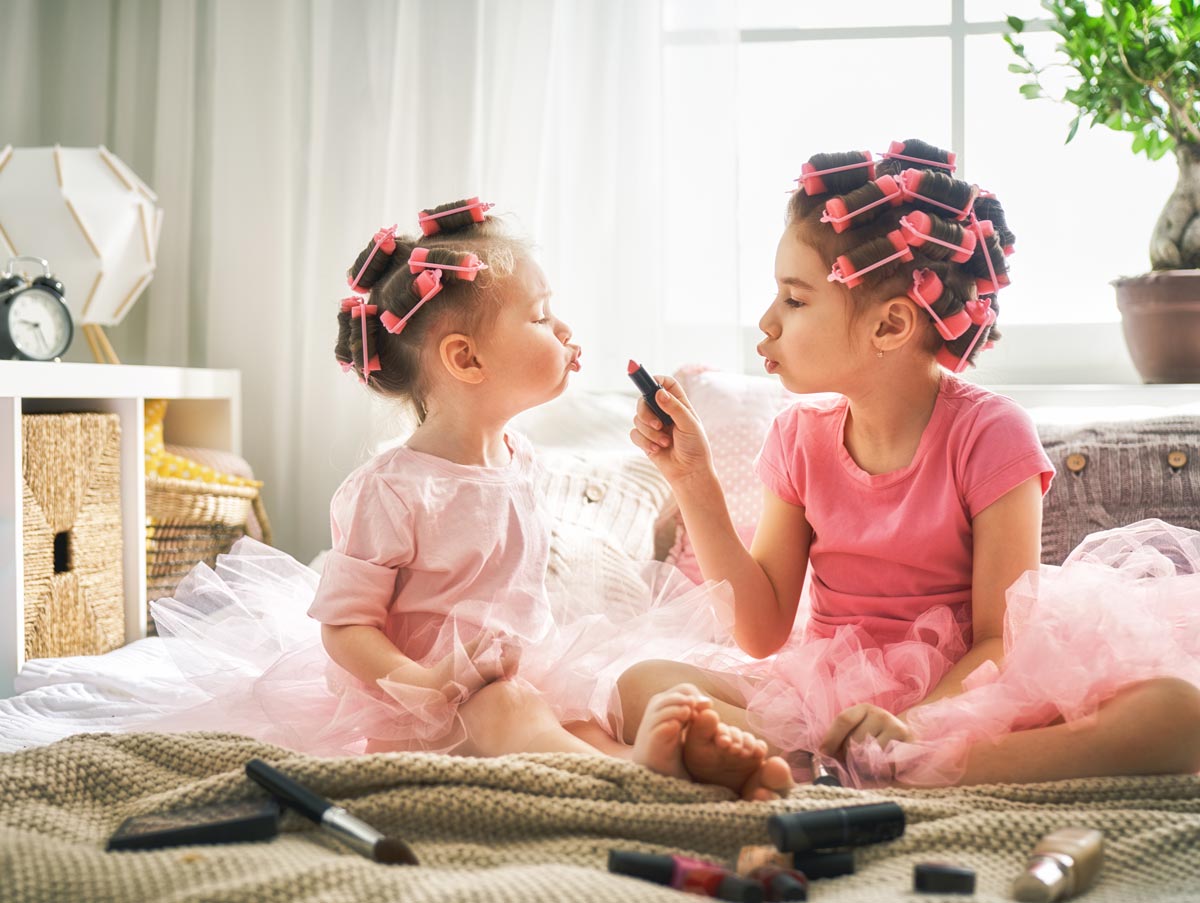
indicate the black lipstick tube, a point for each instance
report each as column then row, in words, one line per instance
column 848, row 826
column 649, row 388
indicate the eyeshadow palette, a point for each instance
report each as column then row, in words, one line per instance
column 232, row 822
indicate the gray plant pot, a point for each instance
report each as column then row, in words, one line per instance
column 1160, row 316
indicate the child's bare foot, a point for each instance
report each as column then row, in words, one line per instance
column 772, row 781
column 717, row 753
column 659, row 741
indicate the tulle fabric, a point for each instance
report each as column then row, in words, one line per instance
column 1123, row 608
column 241, row 636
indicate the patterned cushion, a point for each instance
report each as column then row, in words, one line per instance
column 736, row 410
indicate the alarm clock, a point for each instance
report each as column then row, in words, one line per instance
column 35, row 322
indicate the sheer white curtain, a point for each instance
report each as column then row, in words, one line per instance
column 280, row 135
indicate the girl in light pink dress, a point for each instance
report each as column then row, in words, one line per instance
column 430, row 627
column 936, row 649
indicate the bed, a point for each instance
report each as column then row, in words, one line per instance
column 540, row 827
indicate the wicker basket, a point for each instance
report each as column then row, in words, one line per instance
column 71, row 533
column 192, row 521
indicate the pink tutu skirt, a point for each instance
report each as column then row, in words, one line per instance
column 241, row 636
column 1123, row 608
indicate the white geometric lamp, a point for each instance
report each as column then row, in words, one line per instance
column 88, row 214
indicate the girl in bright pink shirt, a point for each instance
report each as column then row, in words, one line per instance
column 934, row 649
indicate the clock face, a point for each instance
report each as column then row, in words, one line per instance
column 39, row 324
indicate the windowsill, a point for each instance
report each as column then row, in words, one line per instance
column 1117, row 402
column 1058, row 354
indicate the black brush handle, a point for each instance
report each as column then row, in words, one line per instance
column 293, row 794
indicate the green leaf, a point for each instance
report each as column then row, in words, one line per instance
column 1016, row 23
column 1074, row 128
column 1031, row 91
column 1019, row 69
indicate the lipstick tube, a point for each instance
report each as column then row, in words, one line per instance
column 649, row 388
column 848, row 826
column 693, row 876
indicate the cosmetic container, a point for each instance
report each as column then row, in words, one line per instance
column 847, row 826
column 751, row 857
column 832, row 864
column 690, row 875
column 942, row 878
column 780, row 884
column 824, row 864
column 822, row 775
column 1064, row 863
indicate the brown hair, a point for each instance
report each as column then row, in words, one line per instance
column 461, row 306
column 865, row 238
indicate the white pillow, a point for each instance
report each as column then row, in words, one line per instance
column 602, row 508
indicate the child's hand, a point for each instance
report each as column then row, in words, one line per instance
column 483, row 660
column 680, row 451
column 859, row 722
column 487, row 658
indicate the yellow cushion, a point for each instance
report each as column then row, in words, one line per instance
column 161, row 462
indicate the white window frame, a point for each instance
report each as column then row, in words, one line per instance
column 1036, row 354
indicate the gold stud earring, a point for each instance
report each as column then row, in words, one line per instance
column 879, row 354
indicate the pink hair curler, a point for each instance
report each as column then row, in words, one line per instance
column 926, row 289
column 428, row 283
column 812, row 183
column 946, row 357
column 835, row 208
column 896, row 150
column 429, row 221
column 917, row 227
column 385, row 240
column 996, row 281
column 851, row 279
column 910, row 181
column 417, row 262
column 978, row 310
column 359, row 309
column 987, row 287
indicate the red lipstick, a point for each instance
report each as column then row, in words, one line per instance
column 648, row 387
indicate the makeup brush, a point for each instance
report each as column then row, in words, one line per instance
column 337, row 821
column 821, row 775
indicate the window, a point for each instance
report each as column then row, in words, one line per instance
column 753, row 88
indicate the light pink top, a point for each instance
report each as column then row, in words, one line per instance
column 887, row 547
column 416, row 538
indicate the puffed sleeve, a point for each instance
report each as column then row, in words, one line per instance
column 779, row 464
column 1000, row 452
column 372, row 540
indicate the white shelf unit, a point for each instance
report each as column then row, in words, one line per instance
column 204, row 410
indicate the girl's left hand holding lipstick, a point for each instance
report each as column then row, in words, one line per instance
column 680, row 450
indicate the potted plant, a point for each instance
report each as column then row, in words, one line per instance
column 1139, row 68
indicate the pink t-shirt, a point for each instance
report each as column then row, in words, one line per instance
column 888, row 547
column 416, row 537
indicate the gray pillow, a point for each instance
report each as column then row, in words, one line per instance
column 1115, row 473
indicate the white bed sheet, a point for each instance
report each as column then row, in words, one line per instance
column 58, row 697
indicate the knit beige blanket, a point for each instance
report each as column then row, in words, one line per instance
column 527, row 828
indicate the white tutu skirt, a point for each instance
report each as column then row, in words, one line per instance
column 1123, row 608
column 241, row 637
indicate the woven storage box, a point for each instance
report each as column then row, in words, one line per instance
column 71, row 504
column 192, row 521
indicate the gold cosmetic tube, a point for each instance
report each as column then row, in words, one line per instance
column 1064, row 863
